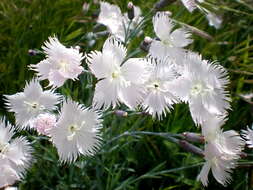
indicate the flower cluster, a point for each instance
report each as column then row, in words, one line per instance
column 74, row 131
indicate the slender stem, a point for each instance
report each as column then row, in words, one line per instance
column 168, row 135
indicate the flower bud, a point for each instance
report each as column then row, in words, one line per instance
column 145, row 44
column 193, row 137
column 163, row 3
column 32, row 52
column 86, row 7
column 148, row 40
column 120, row 113
column 130, row 12
column 191, row 148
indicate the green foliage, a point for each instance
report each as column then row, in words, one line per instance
column 125, row 162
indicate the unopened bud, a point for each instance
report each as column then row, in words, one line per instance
column 32, row 52
column 163, row 3
column 120, row 113
column 191, row 148
column 86, row 7
column 96, row 1
column 148, row 40
column 130, row 12
column 193, row 137
column 243, row 155
column 145, row 44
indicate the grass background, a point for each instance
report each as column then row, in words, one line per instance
column 124, row 162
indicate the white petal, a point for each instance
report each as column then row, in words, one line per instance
column 8, row 176
column 162, row 25
column 131, row 95
column 114, row 47
column 159, row 50
column 134, row 70
column 155, row 104
column 203, row 175
column 101, row 65
column 109, row 15
column 181, row 37
column 106, row 94
column 42, row 68
column 184, row 90
column 190, row 4
column 20, row 152
column 221, row 173
column 56, row 79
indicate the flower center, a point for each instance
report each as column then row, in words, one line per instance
column 34, row 106
column 167, row 42
column 197, row 89
column 73, row 129
column 155, row 86
column 63, row 65
column 115, row 74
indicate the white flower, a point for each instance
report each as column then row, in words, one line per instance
column 158, row 96
column 191, row 5
column 29, row 104
column 170, row 42
column 44, row 122
column 77, row 131
column 117, row 23
column 61, row 63
column 15, row 155
column 248, row 135
column 118, row 81
column 110, row 15
column 202, row 84
column 222, row 151
column 214, row 20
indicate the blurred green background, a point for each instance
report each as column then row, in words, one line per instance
column 125, row 162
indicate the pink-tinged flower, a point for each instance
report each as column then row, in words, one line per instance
column 171, row 42
column 44, row 123
column 61, row 63
column 77, row 131
column 202, row 85
column 222, row 151
column 30, row 103
column 158, row 96
column 118, row 81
